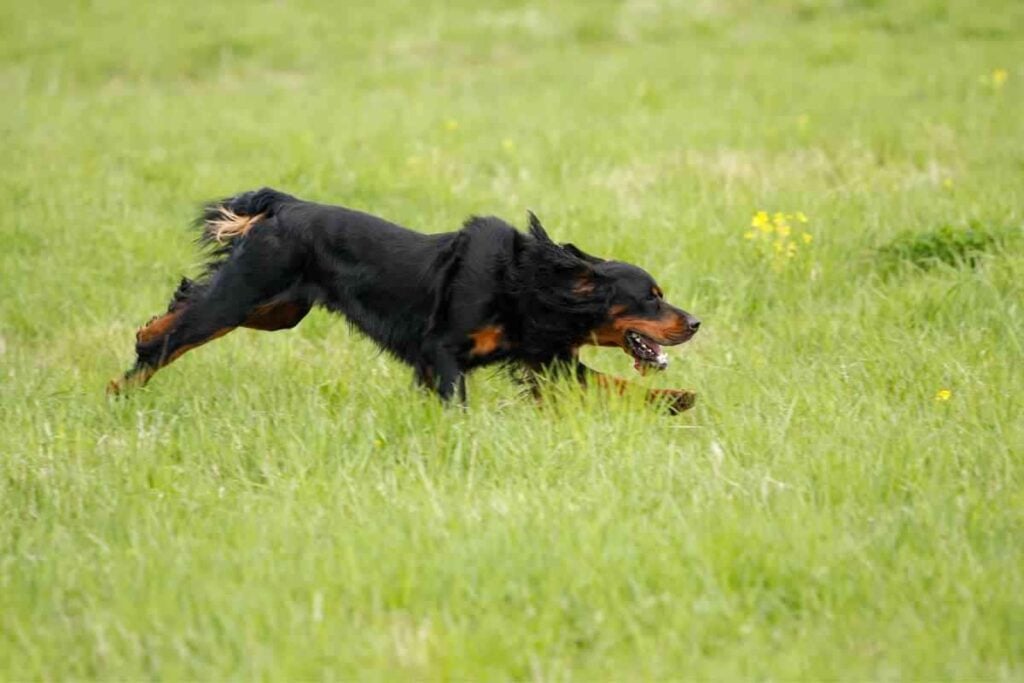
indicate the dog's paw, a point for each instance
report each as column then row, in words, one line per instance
column 133, row 379
column 675, row 401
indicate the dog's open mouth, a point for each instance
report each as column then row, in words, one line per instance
column 645, row 351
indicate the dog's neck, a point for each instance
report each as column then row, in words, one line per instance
column 556, row 306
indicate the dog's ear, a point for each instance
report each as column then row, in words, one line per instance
column 580, row 254
column 566, row 260
column 536, row 229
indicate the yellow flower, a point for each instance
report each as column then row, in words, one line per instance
column 999, row 77
column 948, row 183
column 508, row 145
column 943, row 395
column 451, row 124
column 775, row 229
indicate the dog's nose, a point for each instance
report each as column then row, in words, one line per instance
column 693, row 323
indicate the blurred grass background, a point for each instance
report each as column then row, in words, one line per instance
column 284, row 505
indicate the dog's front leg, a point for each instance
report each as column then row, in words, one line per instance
column 674, row 401
column 450, row 378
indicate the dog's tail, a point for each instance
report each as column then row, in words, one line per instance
column 227, row 219
column 220, row 225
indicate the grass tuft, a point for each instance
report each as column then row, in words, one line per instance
column 949, row 245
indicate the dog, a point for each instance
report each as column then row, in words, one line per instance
column 444, row 303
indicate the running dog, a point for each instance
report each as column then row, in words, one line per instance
column 444, row 303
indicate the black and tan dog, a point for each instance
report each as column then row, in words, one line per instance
column 444, row 303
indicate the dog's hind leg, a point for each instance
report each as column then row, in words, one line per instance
column 158, row 327
column 211, row 319
column 231, row 300
column 164, row 340
column 275, row 315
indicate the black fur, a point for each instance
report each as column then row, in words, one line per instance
column 444, row 303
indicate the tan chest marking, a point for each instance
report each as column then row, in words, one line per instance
column 487, row 340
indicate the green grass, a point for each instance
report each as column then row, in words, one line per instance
column 284, row 506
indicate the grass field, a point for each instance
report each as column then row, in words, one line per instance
column 846, row 501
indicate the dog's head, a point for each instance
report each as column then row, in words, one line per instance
column 634, row 314
column 639, row 320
